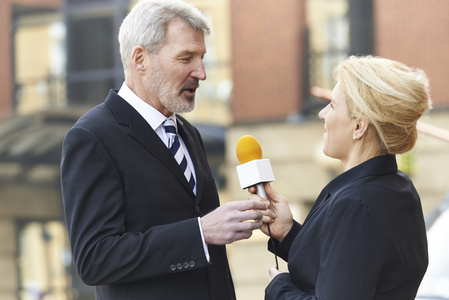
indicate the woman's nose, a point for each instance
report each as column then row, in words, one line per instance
column 322, row 114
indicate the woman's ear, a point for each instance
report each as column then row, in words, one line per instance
column 138, row 59
column 360, row 129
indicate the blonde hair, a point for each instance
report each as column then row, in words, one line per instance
column 389, row 95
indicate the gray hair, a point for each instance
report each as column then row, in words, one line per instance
column 147, row 22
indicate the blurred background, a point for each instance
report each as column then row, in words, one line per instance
column 58, row 58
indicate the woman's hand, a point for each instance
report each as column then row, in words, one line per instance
column 274, row 272
column 282, row 220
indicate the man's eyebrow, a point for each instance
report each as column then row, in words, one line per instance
column 190, row 52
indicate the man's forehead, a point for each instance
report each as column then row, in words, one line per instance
column 177, row 28
column 185, row 41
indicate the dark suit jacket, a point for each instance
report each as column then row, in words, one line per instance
column 130, row 213
column 363, row 239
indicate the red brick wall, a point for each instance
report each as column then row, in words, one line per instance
column 267, row 58
column 6, row 59
column 416, row 33
column 6, row 84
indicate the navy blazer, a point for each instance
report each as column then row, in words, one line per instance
column 364, row 238
column 130, row 213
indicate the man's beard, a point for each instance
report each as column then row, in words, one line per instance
column 170, row 99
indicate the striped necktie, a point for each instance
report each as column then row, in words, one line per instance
column 176, row 149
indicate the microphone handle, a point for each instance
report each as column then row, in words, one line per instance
column 260, row 190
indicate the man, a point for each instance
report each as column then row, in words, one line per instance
column 141, row 226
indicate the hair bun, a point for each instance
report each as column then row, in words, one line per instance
column 389, row 94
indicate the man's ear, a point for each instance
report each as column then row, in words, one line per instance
column 360, row 129
column 139, row 59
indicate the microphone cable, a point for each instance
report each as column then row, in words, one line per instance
column 274, row 247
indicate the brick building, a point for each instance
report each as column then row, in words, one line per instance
column 271, row 48
column 59, row 59
column 276, row 52
column 416, row 33
column 9, row 10
column 268, row 51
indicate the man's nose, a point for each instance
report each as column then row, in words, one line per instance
column 200, row 71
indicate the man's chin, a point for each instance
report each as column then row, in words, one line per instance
column 190, row 108
column 189, row 103
column 187, row 106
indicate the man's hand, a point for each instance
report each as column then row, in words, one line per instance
column 233, row 221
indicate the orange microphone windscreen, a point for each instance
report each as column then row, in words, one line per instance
column 248, row 149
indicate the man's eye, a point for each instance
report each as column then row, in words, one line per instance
column 185, row 59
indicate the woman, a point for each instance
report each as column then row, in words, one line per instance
column 364, row 238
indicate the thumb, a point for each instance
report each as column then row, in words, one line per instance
column 269, row 189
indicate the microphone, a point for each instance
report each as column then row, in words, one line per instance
column 254, row 170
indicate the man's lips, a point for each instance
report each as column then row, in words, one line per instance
column 190, row 91
column 190, row 88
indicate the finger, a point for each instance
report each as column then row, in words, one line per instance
column 252, row 190
column 255, row 197
column 268, row 216
column 247, row 226
column 267, row 185
column 267, row 219
column 243, row 235
column 269, row 189
column 268, row 213
column 273, row 271
column 250, row 204
column 249, row 215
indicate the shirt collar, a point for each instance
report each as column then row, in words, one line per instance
column 153, row 117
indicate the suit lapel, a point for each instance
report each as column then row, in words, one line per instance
column 142, row 132
column 324, row 195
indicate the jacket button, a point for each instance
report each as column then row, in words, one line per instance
column 179, row 266
column 185, row 265
column 192, row 264
column 197, row 209
column 173, row 267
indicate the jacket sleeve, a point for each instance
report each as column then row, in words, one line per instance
column 103, row 250
column 353, row 250
column 282, row 249
column 283, row 288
